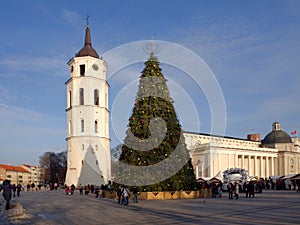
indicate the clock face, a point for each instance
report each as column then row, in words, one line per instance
column 95, row 67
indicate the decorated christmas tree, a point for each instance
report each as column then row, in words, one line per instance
column 154, row 140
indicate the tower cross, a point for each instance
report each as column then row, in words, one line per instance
column 87, row 19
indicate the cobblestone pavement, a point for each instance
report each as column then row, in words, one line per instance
column 53, row 207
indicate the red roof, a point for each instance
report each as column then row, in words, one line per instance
column 14, row 168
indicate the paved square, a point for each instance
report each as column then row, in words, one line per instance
column 53, row 207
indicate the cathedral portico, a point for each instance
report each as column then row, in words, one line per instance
column 276, row 154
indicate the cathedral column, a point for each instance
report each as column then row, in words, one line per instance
column 272, row 166
column 255, row 166
column 267, row 167
column 219, row 161
column 243, row 163
column 249, row 165
column 236, row 160
column 261, row 166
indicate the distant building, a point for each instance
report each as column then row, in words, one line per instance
column 36, row 174
column 15, row 174
column 276, row 154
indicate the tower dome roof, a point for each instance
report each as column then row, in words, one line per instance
column 276, row 136
column 87, row 49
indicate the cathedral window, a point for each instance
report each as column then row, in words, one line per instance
column 96, row 148
column 82, row 70
column 96, row 162
column 96, row 97
column 81, row 96
column 82, row 125
column 82, row 146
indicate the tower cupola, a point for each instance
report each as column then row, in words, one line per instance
column 87, row 49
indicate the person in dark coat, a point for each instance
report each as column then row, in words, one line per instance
column 6, row 187
column 135, row 194
column 14, row 188
column 19, row 188
column 119, row 193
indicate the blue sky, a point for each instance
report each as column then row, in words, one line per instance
column 252, row 47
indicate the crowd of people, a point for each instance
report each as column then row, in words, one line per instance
column 123, row 192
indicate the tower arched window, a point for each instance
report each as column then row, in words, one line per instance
column 106, row 100
column 70, row 99
column 96, row 126
column 81, row 96
column 82, row 70
column 82, row 125
column 70, row 127
column 96, row 97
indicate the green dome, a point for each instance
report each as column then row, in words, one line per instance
column 277, row 136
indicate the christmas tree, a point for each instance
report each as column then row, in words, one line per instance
column 154, row 138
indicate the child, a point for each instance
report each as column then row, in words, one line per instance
column 219, row 192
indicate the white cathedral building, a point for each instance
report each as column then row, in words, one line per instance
column 276, row 155
column 88, row 141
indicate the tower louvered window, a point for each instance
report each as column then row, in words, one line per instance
column 96, row 97
column 81, row 96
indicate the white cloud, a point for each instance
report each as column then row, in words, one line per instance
column 13, row 113
column 71, row 17
column 43, row 64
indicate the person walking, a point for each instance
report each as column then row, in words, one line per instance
column 125, row 196
column 80, row 189
column 6, row 187
column 237, row 190
column 72, row 189
column 19, row 189
column 246, row 188
column 14, row 189
column 86, row 189
column 230, row 190
column 135, row 194
column 119, row 194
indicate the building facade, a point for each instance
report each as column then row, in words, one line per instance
column 15, row 174
column 36, row 174
column 87, row 111
column 276, row 154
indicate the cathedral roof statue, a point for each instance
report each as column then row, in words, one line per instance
column 87, row 49
column 276, row 136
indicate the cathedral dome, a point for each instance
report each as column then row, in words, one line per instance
column 276, row 136
column 87, row 49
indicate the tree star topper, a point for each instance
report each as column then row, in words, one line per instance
column 152, row 47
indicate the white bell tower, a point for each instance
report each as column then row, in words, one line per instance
column 88, row 140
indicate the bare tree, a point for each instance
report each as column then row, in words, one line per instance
column 55, row 166
column 116, row 152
